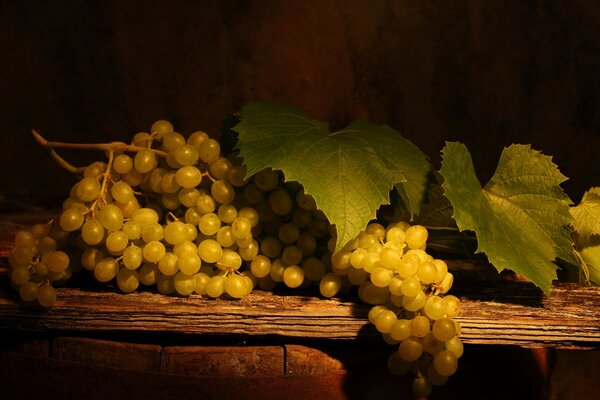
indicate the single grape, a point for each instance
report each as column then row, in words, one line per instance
column 210, row 250
column 235, row 286
column 106, row 270
column 293, row 276
column 410, row 349
column 46, row 295
column 144, row 161
column 88, row 189
column 184, row 284
column 421, row 387
column 122, row 164
column 132, row 257
column 160, row 128
column 57, row 261
column 154, row 251
column 419, row 326
column 280, row 201
column 127, row 280
column 385, row 320
column 445, row 363
column 330, row 285
column 444, row 329
column 28, row 291
column 71, row 219
column 400, row 329
column 201, row 280
column 210, row 151
column 455, row 346
column 215, row 286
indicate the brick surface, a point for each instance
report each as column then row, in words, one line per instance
column 141, row 357
column 224, row 360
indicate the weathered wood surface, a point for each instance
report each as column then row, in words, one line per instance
column 568, row 318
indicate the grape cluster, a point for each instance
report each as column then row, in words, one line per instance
column 406, row 286
column 177, row 214
column 173, row 212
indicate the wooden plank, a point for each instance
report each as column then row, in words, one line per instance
column 224, row 360
column 568, row 318
column 140, row 357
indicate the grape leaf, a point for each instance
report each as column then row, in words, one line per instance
column 587, row 214
column 520, row 216
column 349, row 172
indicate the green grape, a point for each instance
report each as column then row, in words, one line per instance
column 160, row 128
column 148, row 274
column 357, row 276
column 300, row 217
column 444, row 329
column 381, row 277
column 357, row 257
column 434, row 377
column 222, row 192
column 40, row 269
column 122, row 192
column 88, row 189
column 144, row 161
column 152, row 232
column 250, row 282
column 252, row 194
column 410, row 349
column 385, row 320
column 46, row 295
column 248, row 253
column 442, row 269
column 374, row 312
column 188, row 177
column 330, row 285
column 410, row 286
column 220, row 168
column 21, row 256
column 289, row 233
column 185, row 246
column 95, row 169
column 427, row 272
column 390, row 258
column 370, row 261
column 414, row 303
column 280, row 202
column 106, row 270
column 435, row 307
column 154, row 251
column 266, row 179
column 196, row 139
column 395, row 286
column 250, row 214
column 210, row 250
column 341, row 259
column 377, row 230
column 416, row 236
column 313, row 269
column 122, row 164
column 400, row 329
column 365, row 240
column 25, row 239
column 165, row 284
column 19, row 275
column 172, row 140
column 307, row 244
column 57, row 261
column 201, row 279
column 191, row 233
column 133, row 178
column 305, row 201
column 175, row 233
column 215, row 286
column 189, row 262
column 172, row 162
column 397, row 366
column 210, row 224
column 155, row 180
column 446, row 283
column 28, row 291
column 445, row 363
column 141, row 139
column 227, row 213
column 133, row 230
column 293, row 276
column 111, row 217
column 291, row 255
column 47, row 245
column 127, row 280
column 168, row 183
column 241, row 227
column 372, row 294
column 224, row 236
column 395, row 234
column 418, row 255
column 188, row 196
column 235, row 286
column 455, row 346
column 237, row 175
column 270, row 247
column 205, row 204
column 431, row 345
column 210, row 151
column 132, row 257
column 260, row 266
column 71, row 219
column 186, row 154
column 116, row 242
column 421, row 387
column 407, row 267
column 192, row 216
column 90, row 257
column 419, row 326
column 452, row 306
column 277, row 268
column 169, row 264
column 184, row 284
column 144, row 217
column 40, row 230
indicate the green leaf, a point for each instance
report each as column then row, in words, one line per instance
column 587, row 214
column 521, row 215
column 349, row 172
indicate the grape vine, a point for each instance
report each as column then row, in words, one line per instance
column 177, row 214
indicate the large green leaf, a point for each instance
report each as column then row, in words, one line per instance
column 587, row 214
column 520, row 216
column 349, row 172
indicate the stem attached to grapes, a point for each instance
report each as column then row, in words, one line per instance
column 115, row 146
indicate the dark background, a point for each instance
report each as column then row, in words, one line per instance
column 487, row 73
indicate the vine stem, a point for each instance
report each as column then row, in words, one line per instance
column 115, row 146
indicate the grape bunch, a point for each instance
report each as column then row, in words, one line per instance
column 174, row 213
column 406, row 286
